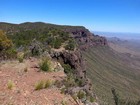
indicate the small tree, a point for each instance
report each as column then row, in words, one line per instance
column 57, row 43
column 115, row 96
column 5, row 43
column 45, row 65
column 119, row 101
column 71, row 45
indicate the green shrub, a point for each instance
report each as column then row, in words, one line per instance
column 39, row 85
column 79, row 82
column 10, row 84
column 67, row 68
column 35, row 52
column 44, row 65
column 92, row 99
column 71, row 45
column 115, row 96
column 10, row 53
column 70, row 81
column 20, row 57
column 119, row 101
column 81, row 94
column 5, row 43
column 57, row 43
column 6, row 47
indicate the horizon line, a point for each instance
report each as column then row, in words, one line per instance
column 69, row 25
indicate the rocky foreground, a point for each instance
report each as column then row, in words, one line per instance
column 23, row 77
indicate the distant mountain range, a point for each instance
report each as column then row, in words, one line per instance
column 127, row 36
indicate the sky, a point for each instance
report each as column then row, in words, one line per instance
column 96, row 15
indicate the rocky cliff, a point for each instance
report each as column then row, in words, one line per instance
column 85, row 38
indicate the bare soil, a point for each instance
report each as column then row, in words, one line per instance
column 23, row 91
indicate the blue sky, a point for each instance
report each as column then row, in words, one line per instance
column 96, row 15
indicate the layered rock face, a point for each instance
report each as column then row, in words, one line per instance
column 85, row 38
column 77, row 63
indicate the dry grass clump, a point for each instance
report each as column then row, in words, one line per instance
column 44, row 84
column 45, row 65
column 10, row 84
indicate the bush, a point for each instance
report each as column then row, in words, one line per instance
column 6, row 50
column 10, row 53
column 79, row 82
column 67, row 68
column 92, row 99
column 44, row 65
column 119, row 101
column 71, row 45
column 39, row 85
column 57, row 43
column 44, row 84
column 5, row 43
column 48, row 83
column 115, row 96
column 81, row 94
column 10, row 85
column 20, row 57
column 70, row 81
column 36, row 47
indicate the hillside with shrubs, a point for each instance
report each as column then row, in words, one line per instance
column 48, row 64
column 38, row 55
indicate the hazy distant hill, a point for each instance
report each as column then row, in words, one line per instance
column 125, row 46
column 124, row 36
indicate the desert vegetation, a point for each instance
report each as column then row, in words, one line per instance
column 119, row 101
column 44, row 84
column 45, row 65
column 63, row 49
column 10, row 85
column 5, row 43
column 6, row 46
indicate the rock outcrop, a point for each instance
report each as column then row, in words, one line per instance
column 85, row 38
column 77, row 63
